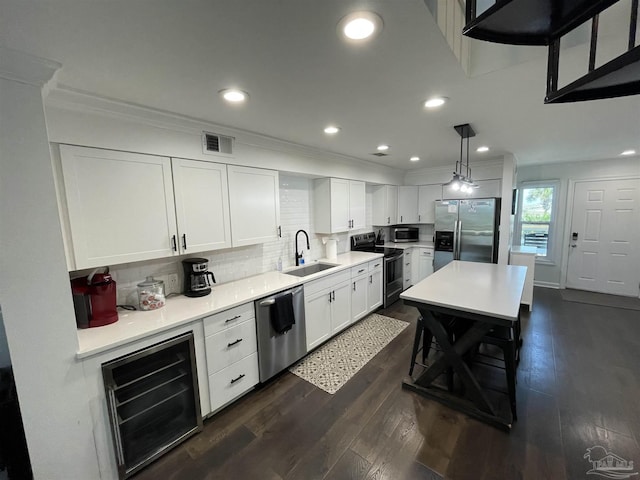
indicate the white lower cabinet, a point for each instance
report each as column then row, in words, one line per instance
column 359, row 290
column 232, row 354
column 233, row 381
column 527, row 259
column 374, row 292
column 425, row 263
column 407, row 268
column 327, row 303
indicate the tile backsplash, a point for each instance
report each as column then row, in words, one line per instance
column 296, row 212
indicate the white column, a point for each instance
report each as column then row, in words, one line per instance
column 34, row 284
column 506, row 227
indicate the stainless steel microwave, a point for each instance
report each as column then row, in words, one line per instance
column 405, row 234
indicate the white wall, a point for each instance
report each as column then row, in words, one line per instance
column 34, row 285
column 95, row 122
column 552, row 274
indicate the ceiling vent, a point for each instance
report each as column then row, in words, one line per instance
column 212, row 143
column 380, row 154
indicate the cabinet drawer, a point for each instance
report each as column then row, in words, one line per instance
column 227, row 319
column 426, row 252
column 376, row 264
column 233, row 381
column 407, row 281
column 359, row 270
column 230, row 346
column 326, row 283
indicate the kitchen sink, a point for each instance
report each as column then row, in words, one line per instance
column 310, row 269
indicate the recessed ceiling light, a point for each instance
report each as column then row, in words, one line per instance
column 331, row 129
column 234, row 95
column 360, row 25
column 435, row 102
column 414, row 159
column 484, row 148
column 383, row 147
column 628, row 152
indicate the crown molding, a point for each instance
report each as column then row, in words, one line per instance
column 22, row 67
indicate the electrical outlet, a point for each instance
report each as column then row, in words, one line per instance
column 173, row 283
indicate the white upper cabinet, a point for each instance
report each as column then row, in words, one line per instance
column 254, row 201
column 202, row 205
column 339, row 205
column 385, row 205
column 120, row 206
column 407, row 204
column 357, row 203
column 427, row 196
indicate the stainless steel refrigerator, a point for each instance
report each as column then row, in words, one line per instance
column 466, row 230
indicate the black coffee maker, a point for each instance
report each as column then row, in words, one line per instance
column 197, row 279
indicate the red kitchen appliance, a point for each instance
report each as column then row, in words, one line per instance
column 94, row 300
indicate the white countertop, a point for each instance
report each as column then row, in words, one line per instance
column 134, row 325
column 403, row 245
column 484, row 288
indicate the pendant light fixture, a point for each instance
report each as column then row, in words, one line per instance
column 462, row 181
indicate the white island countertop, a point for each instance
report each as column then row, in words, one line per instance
column 135, row 325
column 483, row 288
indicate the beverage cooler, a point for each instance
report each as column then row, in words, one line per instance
column 153, row 401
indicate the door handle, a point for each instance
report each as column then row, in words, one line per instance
column 401, row 218
column 279, row 231
column 174, row 244
column 573, row 246
column 184, row 241
column 354, row 286
column 370, row 278
column 334, row 295
column 329, row 297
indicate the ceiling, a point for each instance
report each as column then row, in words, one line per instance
column 176, row 55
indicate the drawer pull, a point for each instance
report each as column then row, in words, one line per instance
column 376, row 265
column 232, row 319
column 234, row 343
column 360, row 271
column 239, row 377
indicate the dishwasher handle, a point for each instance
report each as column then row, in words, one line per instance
column 272, row 300
column 266, row 303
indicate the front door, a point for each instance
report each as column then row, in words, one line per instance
column 604, row 252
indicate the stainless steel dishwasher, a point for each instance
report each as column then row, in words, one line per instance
column 277, row 351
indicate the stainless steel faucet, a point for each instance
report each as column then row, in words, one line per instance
column 299, row 255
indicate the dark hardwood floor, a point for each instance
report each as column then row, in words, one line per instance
column 578, row 386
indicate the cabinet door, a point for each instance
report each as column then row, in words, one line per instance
column 340, row 217
column 202, row 205
column 408, row 204
column 426, row 262
column 120, row 206
column 385, row 205
column 427, row 196
column 341, row 307
column 317, row 311
column 254, row 203
column 415, row 262
column 357, row 201
column 374, row 296
column 359, row 304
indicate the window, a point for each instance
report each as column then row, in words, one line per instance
column 536, row 216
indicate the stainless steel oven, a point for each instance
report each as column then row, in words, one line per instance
column 393, row 281
column 393, row 277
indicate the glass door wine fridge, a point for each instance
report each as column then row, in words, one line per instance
column 153, row 401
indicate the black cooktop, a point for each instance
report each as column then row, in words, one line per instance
column 366, row 242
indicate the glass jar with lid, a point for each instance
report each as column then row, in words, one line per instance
column 151, row 294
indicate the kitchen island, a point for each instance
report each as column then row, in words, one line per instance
column 485, row 296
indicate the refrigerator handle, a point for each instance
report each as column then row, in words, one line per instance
column 458, row 239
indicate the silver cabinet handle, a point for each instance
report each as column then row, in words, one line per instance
column 232, row 319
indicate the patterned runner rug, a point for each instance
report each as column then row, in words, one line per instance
column 331, row 365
